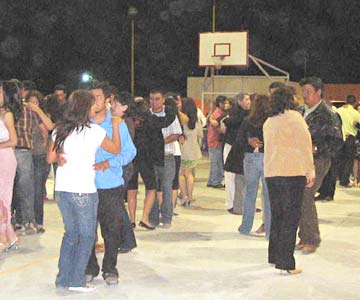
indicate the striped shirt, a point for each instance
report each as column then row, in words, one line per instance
column 173, row 128
column 25, row 126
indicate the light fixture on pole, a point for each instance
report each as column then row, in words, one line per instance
column 86, row 77
column 132, row 13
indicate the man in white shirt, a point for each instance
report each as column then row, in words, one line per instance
column 164, row 174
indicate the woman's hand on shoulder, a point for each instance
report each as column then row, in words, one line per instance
column 116, row 120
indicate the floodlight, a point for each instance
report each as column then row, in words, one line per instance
column 86, row 77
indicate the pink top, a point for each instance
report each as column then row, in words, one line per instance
column 288, row 147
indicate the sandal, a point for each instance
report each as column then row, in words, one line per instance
column 13, row 245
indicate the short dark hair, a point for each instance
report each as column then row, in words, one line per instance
column 282, row 99
column 351, row 99
column 95, row 84
column 220, row 99
column 60, row 87
column 125, row 98
column 169, row 95
column 238, row 97
column 28, row 85
column 34, row 93
column 157, row 90
column 113, row 89
column 316, row 82
column 276, row 85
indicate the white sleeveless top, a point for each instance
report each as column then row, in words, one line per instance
column 4, row 133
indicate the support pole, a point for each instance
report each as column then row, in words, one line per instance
column 133, row 57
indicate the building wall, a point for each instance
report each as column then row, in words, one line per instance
column 341, row 91
column 228, row 84
column 254, row 84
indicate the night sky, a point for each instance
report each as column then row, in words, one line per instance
column 55, row 41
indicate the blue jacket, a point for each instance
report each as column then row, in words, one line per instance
column 113, row 176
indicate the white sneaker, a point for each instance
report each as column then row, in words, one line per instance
column 83, row 289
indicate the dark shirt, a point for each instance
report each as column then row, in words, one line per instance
column 248, row 130
column 56, row 111
column 149, row 140
column 325, row 130
column 233, row 123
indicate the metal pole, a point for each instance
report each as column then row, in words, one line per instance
column 212, row 69
column 133, row 56
column 214, row 16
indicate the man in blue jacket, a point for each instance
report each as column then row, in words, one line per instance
column 109, row 182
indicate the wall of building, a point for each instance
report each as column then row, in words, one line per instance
column 229, row 85
column 341, row 91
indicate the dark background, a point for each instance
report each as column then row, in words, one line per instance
column 55, row 41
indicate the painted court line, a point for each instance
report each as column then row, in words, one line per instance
column 28, row 265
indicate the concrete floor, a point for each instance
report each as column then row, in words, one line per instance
column 201, row 257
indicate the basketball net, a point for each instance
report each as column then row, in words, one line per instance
column 218, row 61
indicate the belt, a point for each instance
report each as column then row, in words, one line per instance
column 22, row 148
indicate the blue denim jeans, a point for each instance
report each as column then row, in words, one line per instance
column 79, row 212
column 216, row 166
column 253, row 172
column 24, row 194
column 164, row 177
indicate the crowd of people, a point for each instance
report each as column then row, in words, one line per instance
column 99, row 141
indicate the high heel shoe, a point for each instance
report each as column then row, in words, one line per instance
column 146, row 226
column 13, row 245
column 290, row 272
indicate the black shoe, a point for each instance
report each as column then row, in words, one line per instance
column 319, row 198
column 258, row 210
column 110, row 278
column 231, row 211
column 346, row 185
column 133, row 225
column 142, row 224
column 219, row 186
column 327, row 199
column 124, row 250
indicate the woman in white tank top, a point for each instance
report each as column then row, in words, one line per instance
column 77, row 140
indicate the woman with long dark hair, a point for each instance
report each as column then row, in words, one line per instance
column 190, row 150
column 10, row 109
column 251, row 137
column 40, row 136
column 288, row 167
column 77, row 140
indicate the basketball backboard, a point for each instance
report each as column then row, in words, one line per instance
column 223, row 49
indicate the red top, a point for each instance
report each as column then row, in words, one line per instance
column 213, row 133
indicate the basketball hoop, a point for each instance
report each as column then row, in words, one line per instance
column 218, row 61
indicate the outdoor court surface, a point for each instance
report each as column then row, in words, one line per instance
column 201, row 257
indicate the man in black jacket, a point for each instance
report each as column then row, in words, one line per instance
column 327, row 139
